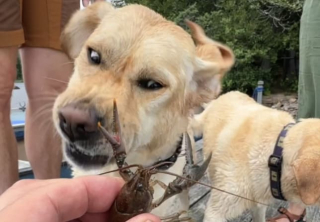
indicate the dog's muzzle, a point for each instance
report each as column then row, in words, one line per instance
column 78, row 124
column 84, row 144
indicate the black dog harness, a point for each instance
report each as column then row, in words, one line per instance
column 275, row 164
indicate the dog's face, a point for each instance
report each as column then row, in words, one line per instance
column 150, row 66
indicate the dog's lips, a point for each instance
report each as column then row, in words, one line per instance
column 85, row 160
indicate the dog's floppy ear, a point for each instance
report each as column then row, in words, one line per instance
column 81, row 25
column 307, row 175
column 213, row 61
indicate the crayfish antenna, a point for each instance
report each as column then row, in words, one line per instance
column 123, row 168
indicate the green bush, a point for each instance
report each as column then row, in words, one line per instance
column 258, row 31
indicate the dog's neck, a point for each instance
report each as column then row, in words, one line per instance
column 276, row 163
column 171, row 159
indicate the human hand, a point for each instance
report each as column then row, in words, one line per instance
column 83, row 199
column 85, row 3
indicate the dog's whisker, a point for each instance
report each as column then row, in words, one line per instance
column 45, row 109
column 45, row 99
column 48, row 94
column 67, row 63
column 42, row 114
column 57, row 80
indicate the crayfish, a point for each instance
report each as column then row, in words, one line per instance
column 136, row 196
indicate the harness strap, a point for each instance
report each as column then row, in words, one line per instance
column 275, row 164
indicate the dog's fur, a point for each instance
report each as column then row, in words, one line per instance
column 242, row 134
column 136, row 43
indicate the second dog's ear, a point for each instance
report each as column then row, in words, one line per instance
column 213, row 60
column 81, row 25
column 307, row 176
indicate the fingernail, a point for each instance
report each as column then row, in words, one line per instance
column 148, row 220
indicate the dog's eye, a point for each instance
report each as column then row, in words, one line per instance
column 149, row 84
column 94, row 57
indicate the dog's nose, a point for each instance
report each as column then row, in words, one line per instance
column 77, row 123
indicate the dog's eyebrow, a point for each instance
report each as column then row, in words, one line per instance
column 169, row 77
column 151, row 76
column 162, row 75
column 93, row 48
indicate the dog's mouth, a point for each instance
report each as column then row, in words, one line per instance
column 84, row 159
column 86, row 146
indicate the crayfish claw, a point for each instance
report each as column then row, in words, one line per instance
column 188, row 148
column 119, row 151
column 191, row 174
column 116, row 120
column 190, row 170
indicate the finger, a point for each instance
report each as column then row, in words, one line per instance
column 96, row 217
column 101, row 197
column 145, row 218
column 21, row 188
column 65, row 200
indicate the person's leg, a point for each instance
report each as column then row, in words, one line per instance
column 46, row 72
column 314, row 54
column 306, row 88
column 8, row 146
column 11, row 36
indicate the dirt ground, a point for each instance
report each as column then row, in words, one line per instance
column 281, row 101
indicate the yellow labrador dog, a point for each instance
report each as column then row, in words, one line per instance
column 156, row 73
column 242, row 135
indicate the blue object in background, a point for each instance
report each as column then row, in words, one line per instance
column 258, row 92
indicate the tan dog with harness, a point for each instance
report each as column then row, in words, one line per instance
column 242, row 135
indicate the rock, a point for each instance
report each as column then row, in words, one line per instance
column 294, row 106
column 285, row 107
column 276, row 106
column 292, row 100
column 288, row 103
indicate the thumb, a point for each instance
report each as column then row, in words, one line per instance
column 145, row 218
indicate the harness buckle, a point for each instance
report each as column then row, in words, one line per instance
column 275, row 162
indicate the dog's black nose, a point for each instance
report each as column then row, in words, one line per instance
column 78, row 123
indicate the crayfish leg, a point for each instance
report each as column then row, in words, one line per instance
column 161, row 184
column 176, row 217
